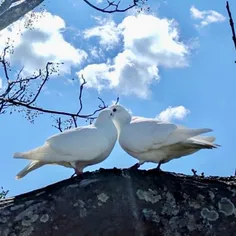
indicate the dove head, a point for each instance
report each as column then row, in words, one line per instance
column 104, row 119
column 105, row 124
column 120, row 116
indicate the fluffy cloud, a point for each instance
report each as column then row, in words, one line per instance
column 206, row 17
column 107, row 32
column 148, row 43
column 96, row 53
column 173, row 113
column 39, row 42
column 97, row 75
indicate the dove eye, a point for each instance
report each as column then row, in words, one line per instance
column 114, row 110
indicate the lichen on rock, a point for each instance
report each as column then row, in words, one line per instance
column 226, row 206
column 115, row 202
column 210, row 215
column 148, row 196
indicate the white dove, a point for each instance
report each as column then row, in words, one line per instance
column 150, row 140
column 76, row 148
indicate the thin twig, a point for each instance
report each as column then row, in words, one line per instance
column 80, row 94
column 16, row 103
column 194, row 172
column 231, row 22
column 41, row 86
column 117, row 100
column 4, row 64
column 103, row 103
column 58, row 124
column 105, row 9
column 17, row 95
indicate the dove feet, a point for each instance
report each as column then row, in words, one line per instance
column 77, row 173
column 159, row 166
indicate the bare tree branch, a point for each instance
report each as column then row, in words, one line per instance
column 194, row 172
column 13, row 10
column 102, row 106
column 18, row 94
column 231, row 22
column 42, row 84
column 3, row 193
column 117, row 100
column 72, row 121
column 80, row 95
column 114, row 5
column 58, row 124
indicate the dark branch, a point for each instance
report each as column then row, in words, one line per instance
column 72, row 121
column 42, row 84
column 16, row 103
column 194, row 172
column 112, row 4
column 3, row 193
column 103, row 103
column 80, row 94
column 117, row 100
column 13, row 10
column 4, row 63
column 58, row 124
column 18, row 95
column 231, row 22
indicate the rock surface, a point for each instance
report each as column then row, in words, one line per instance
column 124, row 202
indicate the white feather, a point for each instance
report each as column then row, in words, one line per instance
column 77, row 147
column 156, row 141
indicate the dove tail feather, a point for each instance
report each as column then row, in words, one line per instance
column 28, row 155
column 33, row 165
column 209, row 139
column 19, row 155
column 183, row 134
column 202, row 142
column 37, row 154
column 195, row 132
column 203, row 145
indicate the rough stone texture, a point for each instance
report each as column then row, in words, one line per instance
column 125, row 202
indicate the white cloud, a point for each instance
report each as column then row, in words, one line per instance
column 107, row 32
column 96, row 53
column 96, row 75
column 173, row 113
column 195, row 13
column 149, row 43
column 206, row 17
column 34, row 47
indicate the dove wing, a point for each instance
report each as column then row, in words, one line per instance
column 143, row 134
column 79, row 144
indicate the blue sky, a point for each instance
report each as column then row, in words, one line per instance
column 188, row 49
